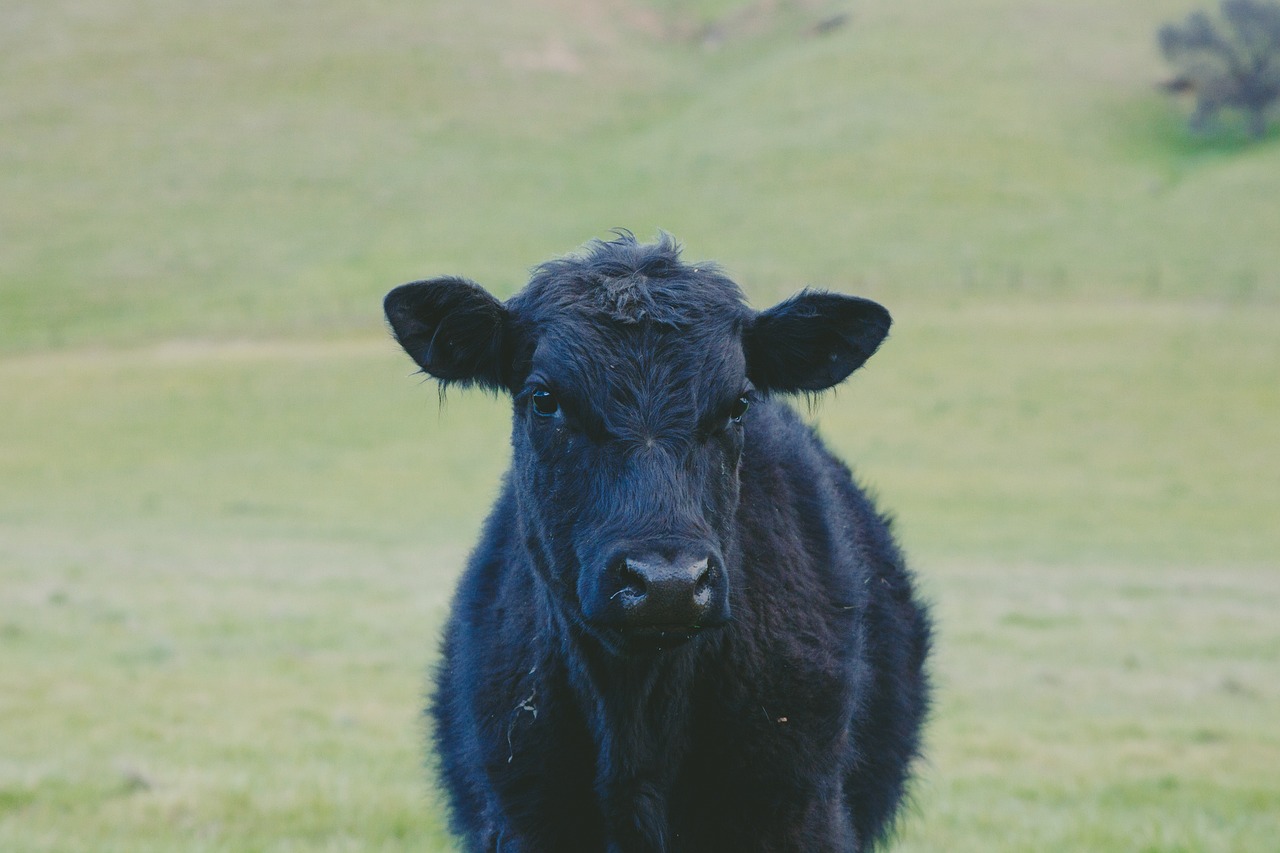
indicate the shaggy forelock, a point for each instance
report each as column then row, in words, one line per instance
column 626, row 281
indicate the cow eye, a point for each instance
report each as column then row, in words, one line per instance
column 738, row 409
column 544, row 403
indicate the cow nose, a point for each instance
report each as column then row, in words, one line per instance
column 657, row 593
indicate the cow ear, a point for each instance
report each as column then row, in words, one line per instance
column 453, row 328
column 812, row 341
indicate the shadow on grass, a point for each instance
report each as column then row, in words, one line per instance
column 1155, row 129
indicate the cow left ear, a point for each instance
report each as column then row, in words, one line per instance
column 812, row 341
column 453, row 328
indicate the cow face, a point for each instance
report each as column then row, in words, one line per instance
column 632, row 377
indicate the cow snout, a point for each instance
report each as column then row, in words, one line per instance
column 660, row 594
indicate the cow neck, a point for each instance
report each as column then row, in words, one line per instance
column 640, row 712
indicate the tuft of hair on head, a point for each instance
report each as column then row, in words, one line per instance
column 629, row 282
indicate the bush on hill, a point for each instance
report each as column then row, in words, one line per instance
column 1234, row 62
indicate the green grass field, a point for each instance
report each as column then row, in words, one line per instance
column 230, row 516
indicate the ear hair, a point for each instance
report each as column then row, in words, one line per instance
column 812, row 341
column 453, row 328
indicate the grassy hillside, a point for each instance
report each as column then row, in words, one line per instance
column 230, row 517
column 235, row 170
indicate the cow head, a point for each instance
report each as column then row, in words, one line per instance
column 632, row 377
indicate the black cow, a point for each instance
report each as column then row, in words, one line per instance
column 685, row 628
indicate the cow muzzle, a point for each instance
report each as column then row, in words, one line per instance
column 661, row 596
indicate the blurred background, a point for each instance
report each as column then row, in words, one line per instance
column 231, row 516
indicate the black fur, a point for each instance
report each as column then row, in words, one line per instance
column 790, row 727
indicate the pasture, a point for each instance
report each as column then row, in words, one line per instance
column 230, row 517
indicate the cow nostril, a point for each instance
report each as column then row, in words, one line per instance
column 632, row 580
column 702, row 584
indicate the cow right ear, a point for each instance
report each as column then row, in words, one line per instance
column 453, row 328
